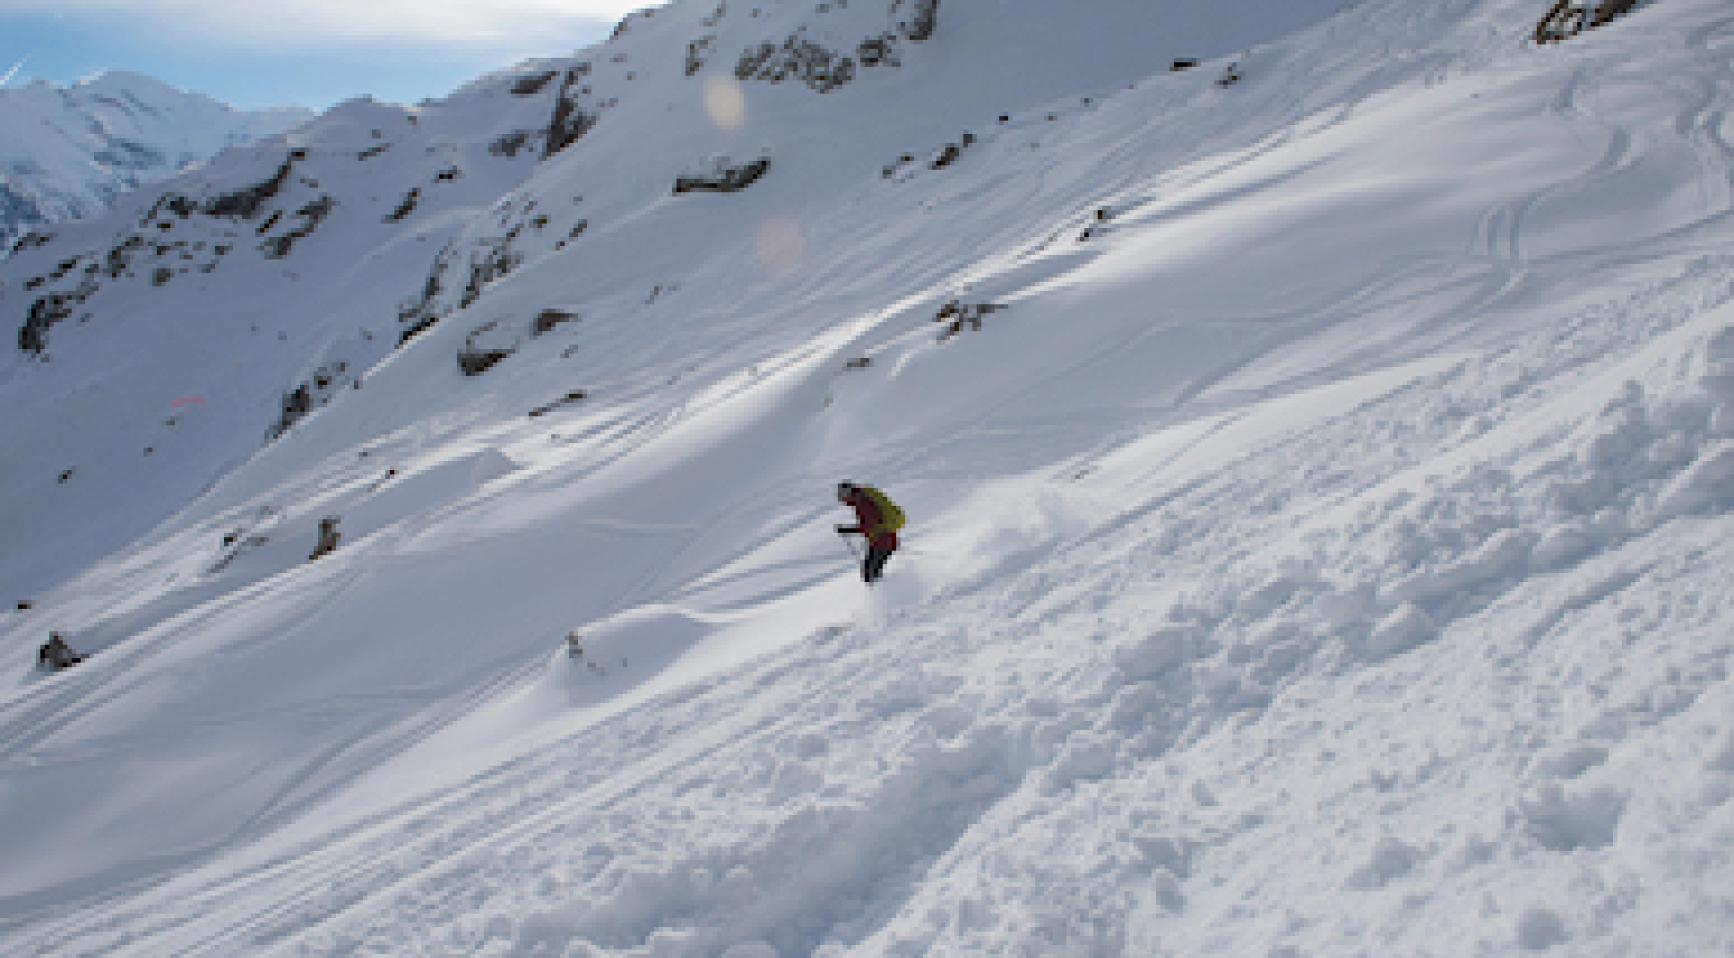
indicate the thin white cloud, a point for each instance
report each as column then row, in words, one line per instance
column 298, row 21
column 7, row 77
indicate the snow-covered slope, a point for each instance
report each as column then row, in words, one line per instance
column 67, row 152
column 1320, row 491
column 302, row 263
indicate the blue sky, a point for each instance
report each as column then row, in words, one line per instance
column 314, row 53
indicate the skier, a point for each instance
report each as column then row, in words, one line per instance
column 56, row 654
column 877, row 519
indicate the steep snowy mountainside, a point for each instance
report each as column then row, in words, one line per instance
column 177, row 333
column 381, row 220
column 67, row 152
column 1320, row 496
column 828, row 94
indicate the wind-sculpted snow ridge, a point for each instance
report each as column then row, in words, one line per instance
column 1320, row 493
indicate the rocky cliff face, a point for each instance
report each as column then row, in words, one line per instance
column 67, row 153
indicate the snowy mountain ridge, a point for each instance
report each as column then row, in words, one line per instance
column 1318, row 468
column 67, row 152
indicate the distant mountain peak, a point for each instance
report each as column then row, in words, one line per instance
column 66, row 152
column 125, row 78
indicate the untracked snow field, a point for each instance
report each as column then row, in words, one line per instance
column 1324, row 549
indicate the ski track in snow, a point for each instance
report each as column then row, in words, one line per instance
column 1395, row 621
column 1142, row 682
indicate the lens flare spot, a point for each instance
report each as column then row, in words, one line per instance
column 779, row 245
column 725, row 103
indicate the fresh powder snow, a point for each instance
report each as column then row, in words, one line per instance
column 1319, row 465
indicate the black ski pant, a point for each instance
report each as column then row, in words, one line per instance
column 873, row 566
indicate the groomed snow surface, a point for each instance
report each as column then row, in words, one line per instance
column 1327, row 555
